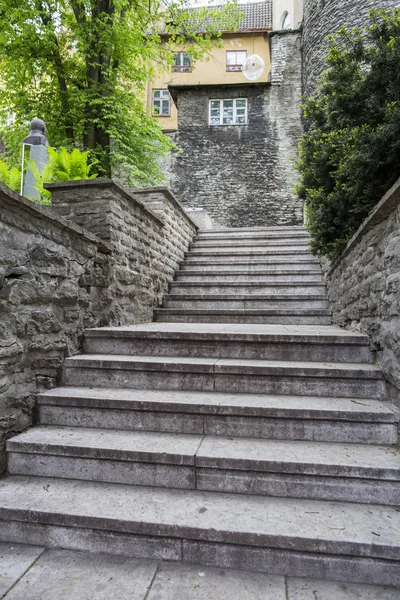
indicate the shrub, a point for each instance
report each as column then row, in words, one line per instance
column 350, row 154
column 10, row 176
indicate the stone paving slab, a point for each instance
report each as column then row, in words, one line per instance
column 66, row 575
column 38, row 574
column 186, row 582
column 308, row 589
column 15, row 559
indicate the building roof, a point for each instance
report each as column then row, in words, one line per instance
column 257, row 16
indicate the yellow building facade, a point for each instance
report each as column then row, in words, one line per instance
column 221, row 66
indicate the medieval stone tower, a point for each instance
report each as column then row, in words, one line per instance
column 323, row 17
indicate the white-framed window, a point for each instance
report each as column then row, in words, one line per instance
column 235, row 59
column 228, row 112
column 161, row 103
column 182, row 62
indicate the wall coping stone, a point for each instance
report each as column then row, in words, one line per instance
column 382, row 210
column 8, row 196
column 170, row 195
column 104, row 182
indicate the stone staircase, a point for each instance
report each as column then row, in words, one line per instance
column 240, row 430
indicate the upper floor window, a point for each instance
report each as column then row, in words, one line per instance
column 228, row 112
column 285, row 21
column 235, row 59
column 182, row 62
column 161, row 103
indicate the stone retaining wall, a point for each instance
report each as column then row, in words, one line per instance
column 364, row 285
column 108, row 263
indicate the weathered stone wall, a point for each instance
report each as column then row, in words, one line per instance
column 243, row 175
column 57, row 278
column 323, row 17
column 148, row 231
column 364, row 285
column 45, row 302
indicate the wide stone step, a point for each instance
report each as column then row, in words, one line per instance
column 252, row 235
column 276, row 342
column 355, row 380
column 280, row 262
column 273, row 230
column 356, row 542
column 241, row 301
column 246, row 253
column 210, row 463
column 301, row 243
column 245, row 288
column 252, row 248
column 254, row 267
column 237, row 415
column 261, row 317
column 249, row 276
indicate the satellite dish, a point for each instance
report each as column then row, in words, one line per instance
column 253, row 67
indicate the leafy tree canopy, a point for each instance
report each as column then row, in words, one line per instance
column 350, row 154
column 82, row 66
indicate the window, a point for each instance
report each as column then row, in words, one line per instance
column 235, row 59
column 286, row 24
column 228, row 112
column 161, row 103
column 182, row 62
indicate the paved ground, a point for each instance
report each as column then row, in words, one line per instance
column 33, row 573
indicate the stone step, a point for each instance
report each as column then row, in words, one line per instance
column 275, row 342
column 355, row 380
column 258, row 244
column 249, row 276
column 267, row 268
column 256, row 247
column 254, row 230
column 240, row 301
column 266, row 234
column 245, row 253
column 252, row 316
column 244, row 288
column 280, row 262
column 344, row 541
column 235, row 415
column 210, row 463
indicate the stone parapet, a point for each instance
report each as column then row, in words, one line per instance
column 364, row 285
column 147, row 229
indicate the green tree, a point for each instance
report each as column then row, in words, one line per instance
column 82, row 66
column 350, row 154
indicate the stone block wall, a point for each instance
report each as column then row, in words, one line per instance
column 58, row 278
column 243, row 175
column 364, row 285
column 147, row 230
column 323, row 17
column 45, row 302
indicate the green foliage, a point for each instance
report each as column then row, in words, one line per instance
column 350, row 154
column 83, row 66
column 10, row 176
column 66, row 166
